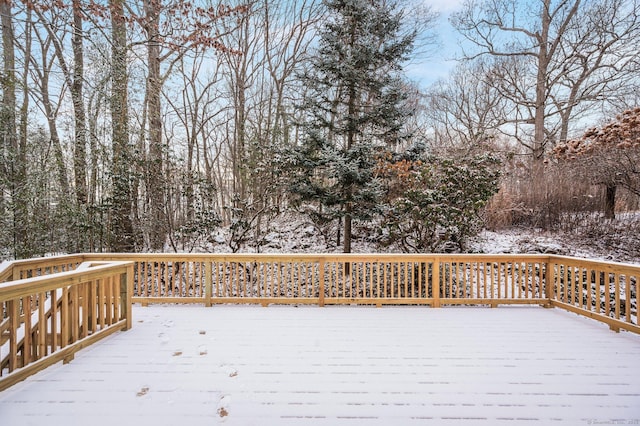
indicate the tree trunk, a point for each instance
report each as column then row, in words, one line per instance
column 15, row 167
column 21, row 166
column 80, row 154
column 55, row 142
column 94, row 240
column 539, row 136
column 346, row 247
column 610, row 202
column 155, row 178
column 122, row 229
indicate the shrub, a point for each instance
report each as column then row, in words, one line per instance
column 434, row 204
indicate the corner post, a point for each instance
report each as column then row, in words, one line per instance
column 549, row 278
column 126, row 295
column 435, row 282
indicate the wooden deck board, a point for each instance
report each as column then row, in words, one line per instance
column 244, row 365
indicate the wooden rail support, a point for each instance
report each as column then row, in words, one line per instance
column 549, row 277
column 51, row 316
column 435, row 285
column 208, row 283
column 321, row 284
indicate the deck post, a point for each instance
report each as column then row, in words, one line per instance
column 208, row 283
column 126, row 294
column 435, row 282
column 321, row 282
column 549, row 277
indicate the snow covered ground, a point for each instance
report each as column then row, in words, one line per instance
column 245, row 365
column 619, row 241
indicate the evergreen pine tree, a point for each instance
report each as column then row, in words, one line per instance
column 354, row 107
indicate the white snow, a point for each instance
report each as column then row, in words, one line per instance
column 245, row 365
column 293, row 233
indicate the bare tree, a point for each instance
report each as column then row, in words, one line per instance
column 13, row 147
column 466, row 111
column 261, row 90
column 599, row 60
column 553, row 57
column 171, row 30
column 55, row 21
column 155, row 186
column 42, row 71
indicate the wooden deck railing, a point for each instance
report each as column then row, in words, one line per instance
column 337, row 279
column 49, row 315
column 605, row 291
column 30, row 268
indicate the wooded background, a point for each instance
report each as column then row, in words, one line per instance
column 136, row 125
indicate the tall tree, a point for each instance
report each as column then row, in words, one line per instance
column 354, row 105
column 77, row 96
column 121, row 223
column 155, row 181
column 14, row 164
column 172, row 29
column 42, row 71
column 53, row 25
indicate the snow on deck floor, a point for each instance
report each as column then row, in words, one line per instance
column 244, row 365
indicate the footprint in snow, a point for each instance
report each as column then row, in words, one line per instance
column 229, row 370
column 163, row 338
column 223, row 408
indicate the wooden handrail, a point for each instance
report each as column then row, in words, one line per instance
column 605, row 291
column 27, row 268
column 379, row 279
column 47, row 318
column 52, row 307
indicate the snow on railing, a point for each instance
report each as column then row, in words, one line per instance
column 47, row 318
column 397, row 279
column 29, row 268
column 605, row 291
column 337, row 278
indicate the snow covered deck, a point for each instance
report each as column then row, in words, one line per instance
column 246, row 365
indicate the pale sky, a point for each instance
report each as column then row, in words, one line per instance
column 429, row 69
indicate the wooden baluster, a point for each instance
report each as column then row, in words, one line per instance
column 13, row 309
column 64, row 318
column 208, row 283
column 627, row 297
column 617, row 295
column 42, row 326
column 321, row 282
column 26, row 343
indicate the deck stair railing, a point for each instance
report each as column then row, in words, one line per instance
column 48, row 313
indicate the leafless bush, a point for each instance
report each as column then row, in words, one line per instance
column 503, row 210
column 553, row 203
